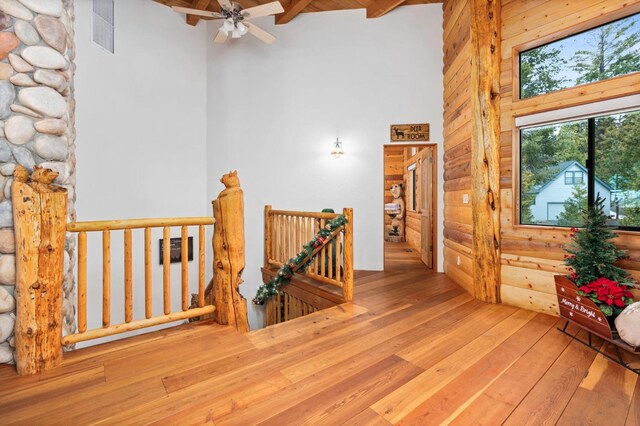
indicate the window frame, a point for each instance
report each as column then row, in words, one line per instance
column 574, row 175
column 586, row 27
column 548, row 37
column 590, row 166
column 411, row 197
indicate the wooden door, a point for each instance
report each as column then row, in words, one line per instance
column 426, row 205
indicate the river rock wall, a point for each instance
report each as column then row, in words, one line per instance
column 36, row 128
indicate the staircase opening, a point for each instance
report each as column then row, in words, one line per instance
column 410, row 205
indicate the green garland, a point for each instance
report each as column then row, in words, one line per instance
column 301, row 260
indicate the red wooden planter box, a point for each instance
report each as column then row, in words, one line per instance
column 580, row 309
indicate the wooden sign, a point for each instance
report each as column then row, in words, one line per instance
column 410, row 132
column 175, row 250
column 580, row 309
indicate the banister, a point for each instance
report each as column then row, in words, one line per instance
column 40, row 220
column 314, row 215
column 136, row 325
column 348, row 255
column 115, row 225
column 288, row 236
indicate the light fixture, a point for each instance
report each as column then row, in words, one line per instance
column 229, row 25
column 236, row 33
column 337, row 150
column 242, row 28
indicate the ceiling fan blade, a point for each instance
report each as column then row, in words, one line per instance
column 220, row 37
column 260, row 33
column 225, row 4
column 263, row 10
column 198, row 12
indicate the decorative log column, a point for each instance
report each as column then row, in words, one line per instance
column 229, row 257
column 485, row 147
column 40, row 211
column 36, row 128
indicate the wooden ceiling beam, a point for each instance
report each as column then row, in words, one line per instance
column 291, row 10
column 197, row 4
column 382, row 7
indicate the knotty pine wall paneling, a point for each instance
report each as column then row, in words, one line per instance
column 531, row 255
column 458, row 233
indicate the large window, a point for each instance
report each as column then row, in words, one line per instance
column 598, row 54
column 565, row 166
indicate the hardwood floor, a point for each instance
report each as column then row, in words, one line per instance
column 401, row 256
column 414, row 348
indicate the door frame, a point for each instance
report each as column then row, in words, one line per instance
column 434, row 196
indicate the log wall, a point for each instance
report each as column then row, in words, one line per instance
column 458, row 262
column 531, row 255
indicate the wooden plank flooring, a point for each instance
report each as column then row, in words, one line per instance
column 413, row 348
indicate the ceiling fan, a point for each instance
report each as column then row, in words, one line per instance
column 235, row 19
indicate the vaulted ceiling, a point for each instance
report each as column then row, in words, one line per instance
column 375, row 8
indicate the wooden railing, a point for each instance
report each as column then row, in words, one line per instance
column 40, row 222
column 331, row 267
column 106, row 228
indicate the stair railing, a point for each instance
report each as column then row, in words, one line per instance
column 106, row 228
column 332, row 264
column 40, row 222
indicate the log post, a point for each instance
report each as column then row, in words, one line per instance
column 39, row 214
column 229, row 257
column 348, row 255
column 268, row 233
column 485, row 147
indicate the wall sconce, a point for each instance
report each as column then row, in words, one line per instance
column 337, row 150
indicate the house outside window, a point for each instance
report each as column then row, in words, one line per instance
column 565, row 166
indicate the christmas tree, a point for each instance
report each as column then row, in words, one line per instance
column 591, row 254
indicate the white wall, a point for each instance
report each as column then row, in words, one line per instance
column 141, row 129
column 274, row 112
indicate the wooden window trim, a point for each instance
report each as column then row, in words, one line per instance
column 621, row 13
column 516, row 198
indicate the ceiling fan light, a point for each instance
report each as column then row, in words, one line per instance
column 229, row 25
column 242, row 28
column 236, row 34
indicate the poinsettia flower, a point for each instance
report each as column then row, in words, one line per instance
column 607, row 292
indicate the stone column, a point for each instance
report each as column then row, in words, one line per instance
column 36, row 128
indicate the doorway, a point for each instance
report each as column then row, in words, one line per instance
column 409, row 205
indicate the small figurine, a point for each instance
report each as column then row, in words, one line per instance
column 396, row 211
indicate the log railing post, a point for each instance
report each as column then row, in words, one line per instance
column 348, row 255
column 268, row 237
column 39, row 214
column 229, row 255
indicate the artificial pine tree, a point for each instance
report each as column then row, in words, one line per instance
column 591, row 254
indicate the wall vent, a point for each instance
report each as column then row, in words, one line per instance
column 102, row 24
